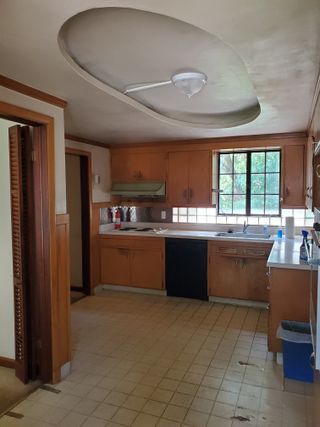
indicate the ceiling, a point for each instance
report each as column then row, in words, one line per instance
column 276, row 43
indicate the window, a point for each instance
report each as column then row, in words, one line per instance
column 249, row 183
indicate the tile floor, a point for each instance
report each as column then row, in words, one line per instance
column 147, row 361
column 11, row 389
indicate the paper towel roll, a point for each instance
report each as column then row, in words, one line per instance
column 289, row 227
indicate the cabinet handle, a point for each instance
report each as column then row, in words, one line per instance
column 190, row 193
column 287, row 192
column 124, row 251
column 318, row 170
column 254, row 252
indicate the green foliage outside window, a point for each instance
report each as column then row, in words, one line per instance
column 249, row 183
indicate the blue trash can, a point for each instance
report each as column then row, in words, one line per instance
column 297, row 349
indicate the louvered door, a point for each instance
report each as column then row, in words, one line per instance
column 18, row 215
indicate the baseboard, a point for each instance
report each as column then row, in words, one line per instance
column 133, row 289
column 7, row 363
column 240, row 302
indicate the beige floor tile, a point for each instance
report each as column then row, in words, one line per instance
column 73, row 419
column 175, row 413
column 145, row 420
column 218, row 422
column 124, row 374
column 196, row 418
column 94, row 422
column 167, row 423
column 227, row 397
column 105, row 411
column 134, row 402
column 161, row 395
column 116, row 398
column 153, row 407
column 124, row 416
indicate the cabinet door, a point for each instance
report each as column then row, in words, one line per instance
column 289, row 300
column 226, row 277
column 293, row 176
column 177, row 179
column 115, row 266
column 199, row 173
column 147, row 268
column 132, row 167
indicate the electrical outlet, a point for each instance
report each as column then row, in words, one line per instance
column 163, row 214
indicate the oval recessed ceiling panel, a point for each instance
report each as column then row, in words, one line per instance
column 115, row 48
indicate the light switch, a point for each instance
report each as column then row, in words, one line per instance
column 163, row 214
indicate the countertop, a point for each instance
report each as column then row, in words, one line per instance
column 183, row 234
column 285, row 253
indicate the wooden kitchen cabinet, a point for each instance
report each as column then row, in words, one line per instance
column 189, row 178
column 134, row 167
column 289, row 300
column 132, row 261
column 147, row 268
column 115, row 266
column 238, row 270
column 293, row 176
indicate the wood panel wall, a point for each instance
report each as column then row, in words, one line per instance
column 61, row 328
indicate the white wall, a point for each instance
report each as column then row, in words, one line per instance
column 100, row 166
column 6, row 276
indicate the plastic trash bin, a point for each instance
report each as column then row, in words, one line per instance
column 297, row 349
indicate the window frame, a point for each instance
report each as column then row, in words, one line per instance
column 248, row 182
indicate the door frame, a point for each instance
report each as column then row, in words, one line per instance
column 46, row 198
column 86, row 211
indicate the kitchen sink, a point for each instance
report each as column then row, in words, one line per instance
column 244, row 235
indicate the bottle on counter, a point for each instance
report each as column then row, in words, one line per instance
column 304, row 248
column 279, row 233
column 117, row 224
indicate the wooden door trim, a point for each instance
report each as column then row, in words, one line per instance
column 87, row 155
column 50, row 342
column 7, row 362
column 31, row 91
column 85, row 140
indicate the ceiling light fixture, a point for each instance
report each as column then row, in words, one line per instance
column 189, row 83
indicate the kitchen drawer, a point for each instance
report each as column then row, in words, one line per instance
column 148, row 243
column 115, row 242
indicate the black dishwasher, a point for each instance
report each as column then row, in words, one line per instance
column 186, row 268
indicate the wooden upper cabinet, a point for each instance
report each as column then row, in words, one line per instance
column 189, row 178
column 133, row 167
column 293, row 176
column 177, row 180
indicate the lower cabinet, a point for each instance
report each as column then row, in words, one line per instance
column 132, row 261
column 289, row 300
column 238, row 270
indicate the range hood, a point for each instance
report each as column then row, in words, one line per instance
column 139, row 189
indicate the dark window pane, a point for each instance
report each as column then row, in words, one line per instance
column 257, row 162
column 239, row 204
column 225, row 184
column 257, row 184
column 257, row 205
column 273, row 161
column 272, row 183
column 240, row 184
column 240, row 163
column 225, row 205
column 226, row 163
column 272, row 205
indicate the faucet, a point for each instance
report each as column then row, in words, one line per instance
column 245, row 226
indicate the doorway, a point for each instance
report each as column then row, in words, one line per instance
column 78, row 178
column 24, row 339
